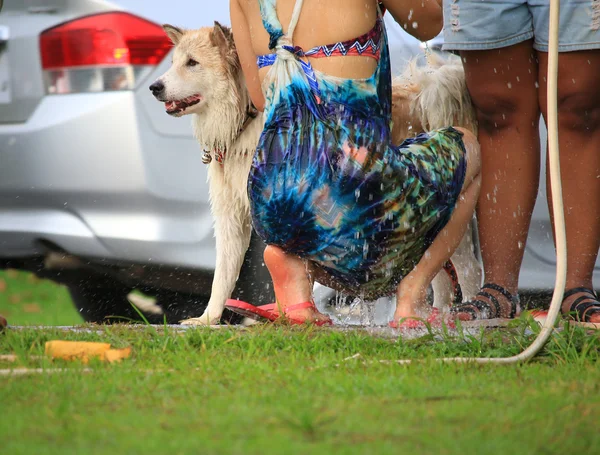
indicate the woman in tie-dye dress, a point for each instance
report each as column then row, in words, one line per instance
column 330, row 195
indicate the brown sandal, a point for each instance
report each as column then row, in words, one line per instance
column 583, row 307
column 491, row 309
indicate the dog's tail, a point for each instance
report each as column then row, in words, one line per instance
column 439, row 96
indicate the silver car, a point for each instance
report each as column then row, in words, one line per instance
column 99, row 188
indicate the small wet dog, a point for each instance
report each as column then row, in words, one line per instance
column 206, row 81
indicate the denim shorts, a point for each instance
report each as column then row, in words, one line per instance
column 492, row 24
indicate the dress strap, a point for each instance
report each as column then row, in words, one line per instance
column 268, row 12
column 294, row 19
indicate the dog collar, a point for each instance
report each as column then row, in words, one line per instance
column 220, row 153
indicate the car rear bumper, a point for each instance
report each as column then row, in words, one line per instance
column 87, row 174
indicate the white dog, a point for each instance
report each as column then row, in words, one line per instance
column 206, row 80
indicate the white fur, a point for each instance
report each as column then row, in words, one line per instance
column 443, row 99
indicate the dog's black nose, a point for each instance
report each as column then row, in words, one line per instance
column 157, row 87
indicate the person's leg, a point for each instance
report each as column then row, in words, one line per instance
column 579, row 143
column 503, row 86
column 412, row 291
column 291, row 283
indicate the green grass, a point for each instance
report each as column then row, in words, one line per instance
column 275, row 389
column 27, row 300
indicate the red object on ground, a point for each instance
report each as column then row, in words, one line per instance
column 434, row 320
column 267, row 312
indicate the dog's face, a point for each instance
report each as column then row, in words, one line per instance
column 203, row 62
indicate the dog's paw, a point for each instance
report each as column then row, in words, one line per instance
column 203, row 320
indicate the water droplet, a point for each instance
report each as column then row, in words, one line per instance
column 509, row 85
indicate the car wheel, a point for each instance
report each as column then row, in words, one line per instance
column 104, row 301
column 253, row 286
column 101, row 300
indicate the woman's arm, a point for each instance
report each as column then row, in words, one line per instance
column 426, row 14
column 243, row 44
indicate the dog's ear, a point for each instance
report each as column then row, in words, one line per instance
column 222, row 38
column 174, row 33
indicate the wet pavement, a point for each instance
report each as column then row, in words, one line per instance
column 371, row 318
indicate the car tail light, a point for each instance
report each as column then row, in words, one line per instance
column 103, row 52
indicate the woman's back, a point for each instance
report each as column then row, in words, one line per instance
column 320, row 23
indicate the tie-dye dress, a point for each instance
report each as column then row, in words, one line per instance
column 326, row 184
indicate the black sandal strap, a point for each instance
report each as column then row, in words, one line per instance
column 491, row 306
column 584, row 311
column 573, row 291
column 501, row 290
column 482, row 306
column 465, row 308
column 494, row 300
column 514, row 300
column 591, row 312
column 475, row 306
column 453, row 275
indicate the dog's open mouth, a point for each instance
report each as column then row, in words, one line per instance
column 178, row 106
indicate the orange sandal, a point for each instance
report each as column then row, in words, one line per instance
column 267, row 312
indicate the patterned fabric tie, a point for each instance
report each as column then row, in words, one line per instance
column 269, row 59
column 298, row 52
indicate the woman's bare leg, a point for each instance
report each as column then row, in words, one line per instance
column 579, row 141
column 412, row 291
column 503, row 86
column 291, row 283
